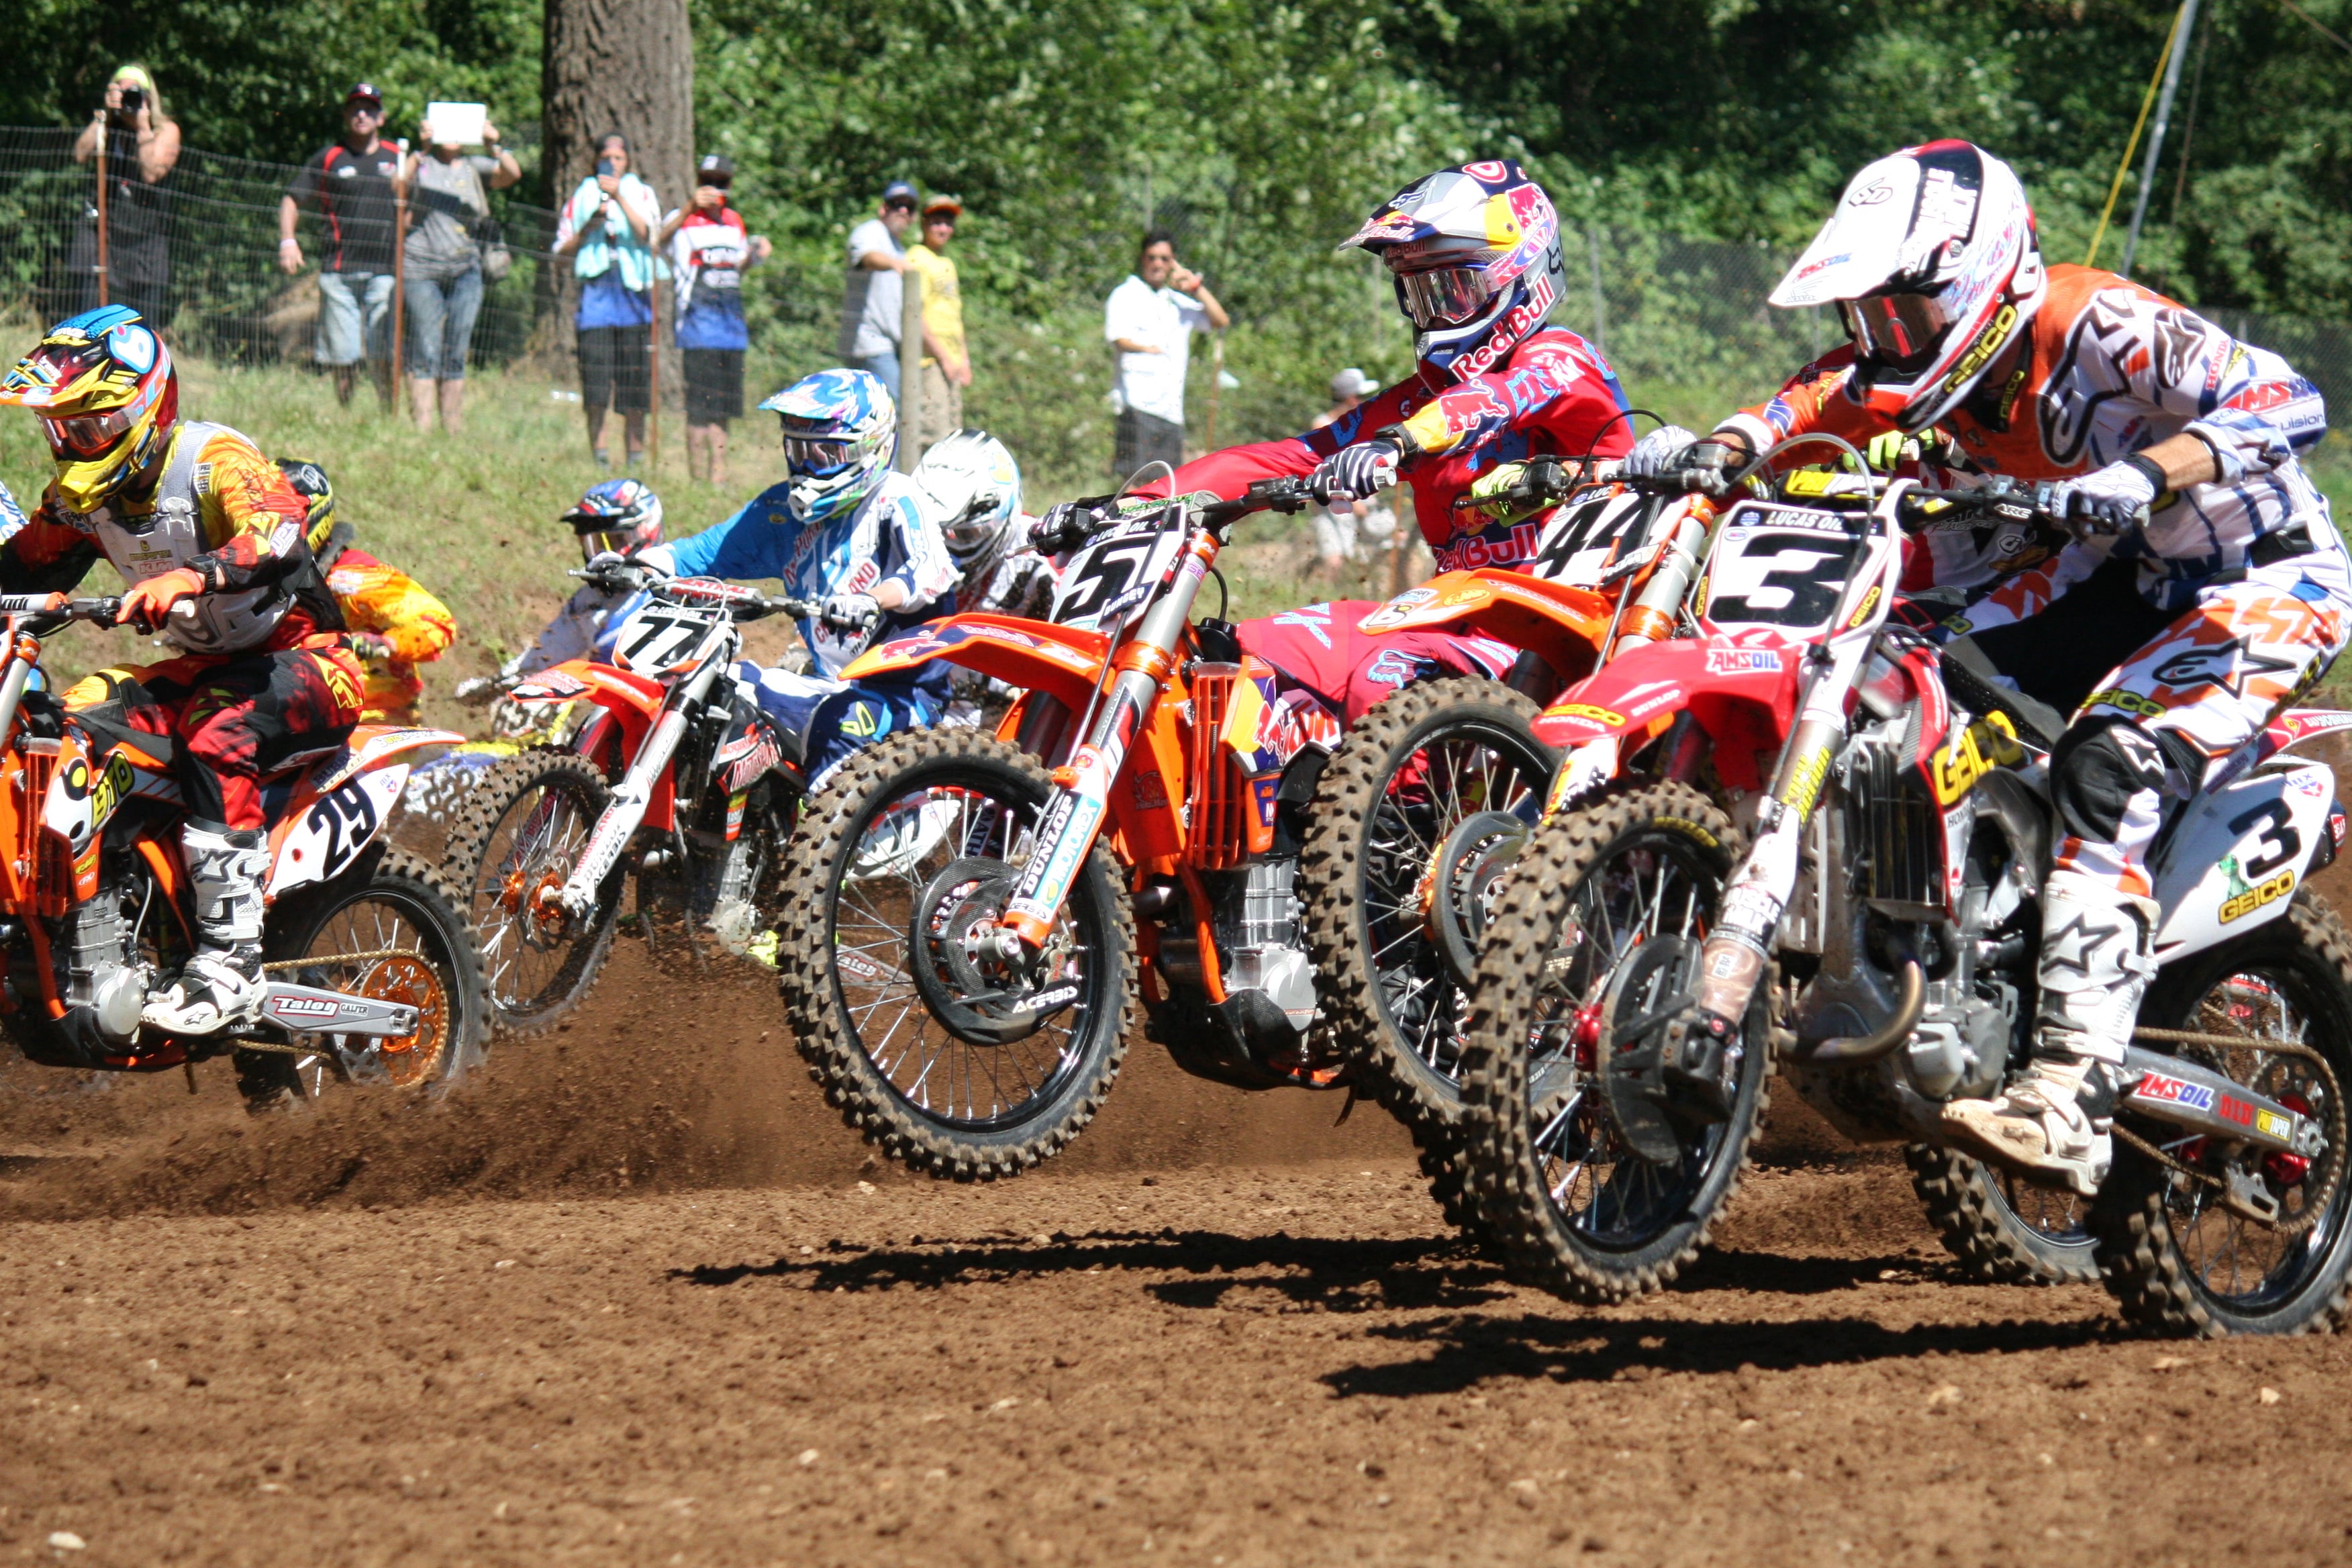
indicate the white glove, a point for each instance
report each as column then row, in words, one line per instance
column 1358, row 472
column 850, row 612
column 2106, row 500
column 1656, row 452
column 481, row 690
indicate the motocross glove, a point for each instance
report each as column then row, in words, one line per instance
column 1067, row 524
column 1661, row 452
column 1358, row 472
column 373, row 647
column 481, row 690
column 850, row 612
column 1490, row 487
column 2108, row 500
column 147, row 602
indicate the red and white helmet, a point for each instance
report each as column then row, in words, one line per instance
column 1932, row 261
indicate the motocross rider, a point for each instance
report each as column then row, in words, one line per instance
column 209, row 536
column 2126, row 401
column 390, row 621
column 847, row 533
column 970, row 486
column 1474, row 253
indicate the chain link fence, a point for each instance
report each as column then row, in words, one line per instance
column 197, row 252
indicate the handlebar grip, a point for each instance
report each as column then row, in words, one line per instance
column 104, row 611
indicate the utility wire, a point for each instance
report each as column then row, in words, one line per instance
column 2334, row 37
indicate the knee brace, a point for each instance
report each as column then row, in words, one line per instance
column 2101, row 765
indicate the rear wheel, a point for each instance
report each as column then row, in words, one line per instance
column 393, row 934
column 2175, row 1255
column 511, row 847
column 1604, row 912
column 929, row 1043
column 1415, row 822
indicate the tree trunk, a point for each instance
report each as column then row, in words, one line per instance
column 615, row 65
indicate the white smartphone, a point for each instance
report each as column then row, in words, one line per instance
column 457, row 124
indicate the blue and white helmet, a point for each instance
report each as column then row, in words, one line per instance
column 841, row 430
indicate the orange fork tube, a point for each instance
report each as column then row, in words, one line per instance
column 1650, row 617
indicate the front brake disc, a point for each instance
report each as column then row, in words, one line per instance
column 976, row 995
column 1464, row 875
column 1649, row 990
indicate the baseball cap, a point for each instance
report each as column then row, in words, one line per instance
column 941, row 202
column 1353, row 382
column 365, row 90
column 715, row 168
column 898, row 193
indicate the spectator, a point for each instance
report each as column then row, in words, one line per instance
column 1339, row 524
column 873, row 304
column 709, row 253
column 609, row 224
column 937, row 410
column 351, row 185
column 143, row 145
column 442, row 266
column 1150, row 319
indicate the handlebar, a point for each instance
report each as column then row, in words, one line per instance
column 744, row 603
column 59, row 608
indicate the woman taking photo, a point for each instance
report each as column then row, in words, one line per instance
column 607, row 227
column 441, row 263
column 143, row 144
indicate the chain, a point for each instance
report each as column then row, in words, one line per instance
column 324, row 958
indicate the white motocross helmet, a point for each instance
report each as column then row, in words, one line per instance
column 969, row 484
column 1932, row 261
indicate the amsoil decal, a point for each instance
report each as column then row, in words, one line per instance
column 1743, row 662
column 2173, row 1091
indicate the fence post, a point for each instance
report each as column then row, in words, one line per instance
column 1216, row 380
column 101, row 207
column 396, row 384
column 1600, row 304
column 911, row 369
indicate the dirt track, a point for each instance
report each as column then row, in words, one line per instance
column 624, row 1299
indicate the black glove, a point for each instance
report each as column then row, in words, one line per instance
column 1067, row 524
column 2108, row 500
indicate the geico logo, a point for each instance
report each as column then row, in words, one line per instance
column 2257, row 896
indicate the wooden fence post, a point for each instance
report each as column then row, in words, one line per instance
column 910, row 370
column 395, row 382
column 101, row 207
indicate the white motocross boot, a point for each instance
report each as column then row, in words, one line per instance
column 222, row 986
column 2054, row 1120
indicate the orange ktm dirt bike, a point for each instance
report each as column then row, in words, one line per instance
column 674, row 776
column 372, row 974
column 970, row 918
column 1427, row 802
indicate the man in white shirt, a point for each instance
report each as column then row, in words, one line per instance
column 873, row 304
column 1150, row 319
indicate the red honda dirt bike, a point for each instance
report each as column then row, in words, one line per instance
column 1432, row 794
column 969, row 918
column 673, row 776
column 372, row 974
column 1832, row 853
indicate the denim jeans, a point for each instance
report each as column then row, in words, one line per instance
column 441, row 323
column 887, row 367
column 354, row 309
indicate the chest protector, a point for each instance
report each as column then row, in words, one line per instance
column 173, row 534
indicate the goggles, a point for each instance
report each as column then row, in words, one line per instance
column 1444, row 296
column 1901, row 332
column 90, row 435
column 596, row 542
column 977, row 526
column 813, row 458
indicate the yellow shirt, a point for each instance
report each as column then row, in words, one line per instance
column 942, row 298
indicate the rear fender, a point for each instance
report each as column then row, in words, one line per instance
column 1032, row 656
column 325, row 830
column 2237, row 854
column 1740, row 691
column 1561, row 625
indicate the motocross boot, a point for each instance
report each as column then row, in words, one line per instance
column 222, row 986
column 2054, row 1120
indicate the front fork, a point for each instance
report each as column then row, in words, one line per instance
column 1081, row 800
column 635, row 794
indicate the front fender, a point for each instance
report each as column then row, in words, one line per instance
column 1561, row 625
column 1742, row 693
column 603, row 684
column 1030, row 655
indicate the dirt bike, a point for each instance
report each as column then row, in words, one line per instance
column 1831, row 852
column 373, row 976
column 674, row 776
column 970, row 917
column 1430, row 798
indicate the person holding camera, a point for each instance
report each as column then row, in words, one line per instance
column 349, row 182
column 442, row 265
column 143, row 145
column 708, row 250
column 607, row 227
